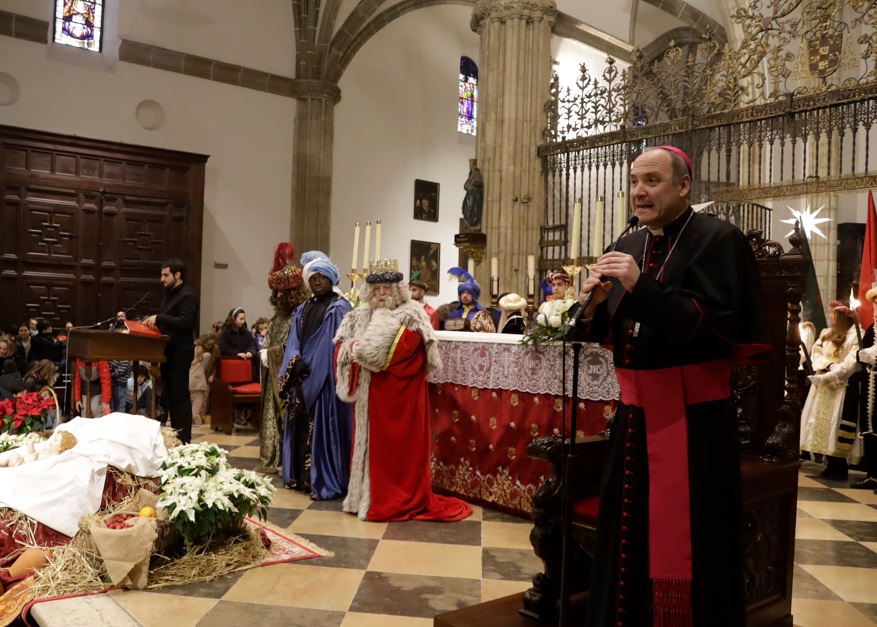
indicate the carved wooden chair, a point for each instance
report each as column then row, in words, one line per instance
column 233, row 386
column 768, row 416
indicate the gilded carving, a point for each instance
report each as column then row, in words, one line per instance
column 790, row 49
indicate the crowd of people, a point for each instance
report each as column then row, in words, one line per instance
column 346, row 415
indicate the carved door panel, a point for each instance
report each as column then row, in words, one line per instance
column 139, row 234
column 86, row 225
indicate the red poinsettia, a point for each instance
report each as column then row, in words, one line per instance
column 25, row 413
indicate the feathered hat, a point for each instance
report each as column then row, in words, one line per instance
column 467, row 282
column 283, row 275
column 416, row 282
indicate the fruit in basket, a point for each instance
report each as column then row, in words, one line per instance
column 147, row 512
column 120, row 521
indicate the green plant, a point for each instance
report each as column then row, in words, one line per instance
column 205, row 496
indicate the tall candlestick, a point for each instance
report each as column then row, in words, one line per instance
column 368, row 236
column 355, row 247
column 471, row 266
column 494, row 266
column 620, row 215
column 378, row 240
column 598, row 229
column 531, row 266
column 576, row 239
column 854, row 306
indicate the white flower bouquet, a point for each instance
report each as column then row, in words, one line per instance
column 548, row 325
column 205, row 496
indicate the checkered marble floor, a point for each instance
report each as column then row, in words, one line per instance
column 403, row 574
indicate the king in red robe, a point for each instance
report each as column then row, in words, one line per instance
column 385, row 349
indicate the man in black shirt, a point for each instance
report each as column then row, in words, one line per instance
column 178, row 319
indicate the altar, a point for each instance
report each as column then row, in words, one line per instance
column 493, row 397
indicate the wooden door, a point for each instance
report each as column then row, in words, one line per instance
column 86, row 224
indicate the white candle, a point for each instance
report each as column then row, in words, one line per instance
column 598, row 229
column 368, row 236
column 471, row 266
column 620, row 214
column 378, row 240
column 576, row 239
column 531, row 266
column 494, row 266
column 355, row 247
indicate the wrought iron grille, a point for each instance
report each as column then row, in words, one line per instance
column 789, row 112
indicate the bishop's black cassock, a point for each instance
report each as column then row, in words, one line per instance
column 695, row 306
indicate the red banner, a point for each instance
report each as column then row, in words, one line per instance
column 869, row 261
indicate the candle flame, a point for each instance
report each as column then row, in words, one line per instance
column 854, row 303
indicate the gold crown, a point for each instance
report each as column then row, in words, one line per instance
column 382, row 266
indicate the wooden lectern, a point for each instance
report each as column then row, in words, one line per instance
column 92, row 345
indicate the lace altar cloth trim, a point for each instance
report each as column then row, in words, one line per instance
column 504, row 366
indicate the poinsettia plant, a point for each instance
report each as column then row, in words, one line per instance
column 205, row 496
column 25, row 413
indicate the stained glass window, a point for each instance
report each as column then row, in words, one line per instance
column 79, row 23
column 466, row 118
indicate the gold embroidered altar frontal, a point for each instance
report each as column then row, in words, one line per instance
column 492, row 398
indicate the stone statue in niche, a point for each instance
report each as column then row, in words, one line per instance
column 474, row 199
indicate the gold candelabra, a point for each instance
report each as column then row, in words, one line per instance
column 353, row 294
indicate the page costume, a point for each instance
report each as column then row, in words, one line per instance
column 382, row 359
column 829, row 418
column 668, row 535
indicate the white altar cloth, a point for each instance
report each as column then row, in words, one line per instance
column 500, row 361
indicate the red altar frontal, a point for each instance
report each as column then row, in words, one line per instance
column 493, row 397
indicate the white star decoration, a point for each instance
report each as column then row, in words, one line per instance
column 809, row 221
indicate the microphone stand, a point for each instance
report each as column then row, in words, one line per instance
column 571, row 458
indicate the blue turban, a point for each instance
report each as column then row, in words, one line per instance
column 470, row 286
column 315, row 262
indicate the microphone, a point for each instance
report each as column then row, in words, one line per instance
column 575, row 319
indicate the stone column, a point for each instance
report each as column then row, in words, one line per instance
column 313, row 136
column 514, row 73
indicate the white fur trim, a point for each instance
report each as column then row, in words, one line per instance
column 366, row 336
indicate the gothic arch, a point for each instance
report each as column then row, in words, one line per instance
column 359, row 27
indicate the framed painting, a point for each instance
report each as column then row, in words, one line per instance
column 426, row 200
column 426, row 257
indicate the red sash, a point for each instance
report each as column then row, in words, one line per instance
column 663, row 395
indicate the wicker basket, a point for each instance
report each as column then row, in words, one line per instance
column 51, row 391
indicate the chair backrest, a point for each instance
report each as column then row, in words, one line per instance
column 234, row 370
